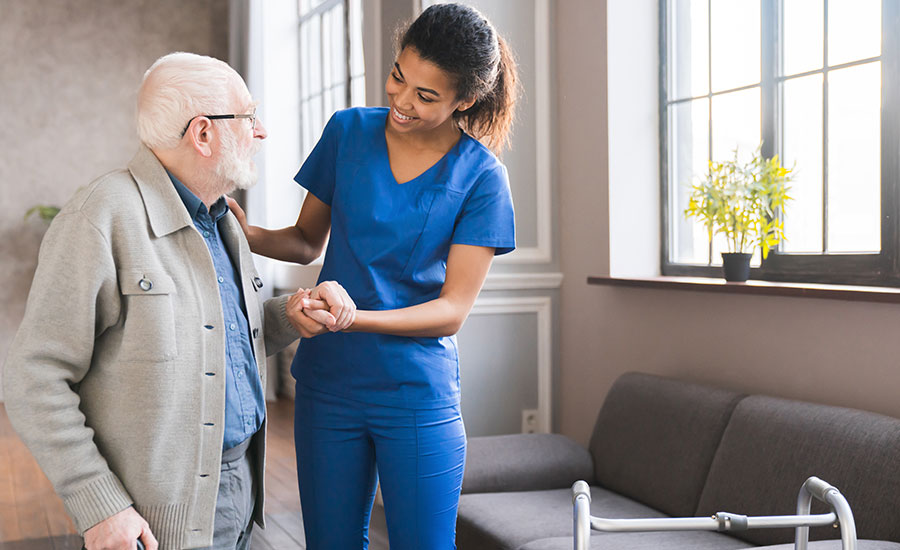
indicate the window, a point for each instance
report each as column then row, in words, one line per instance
column 331, row 64
column 814, row 81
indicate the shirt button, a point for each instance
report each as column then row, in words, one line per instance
column 221, row 279
column 232, row 326
column 240, row 374
column 206, row 233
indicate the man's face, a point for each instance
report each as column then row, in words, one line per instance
column 239, row 142
column 236, row 166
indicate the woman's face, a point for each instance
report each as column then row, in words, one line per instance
column 421, row 96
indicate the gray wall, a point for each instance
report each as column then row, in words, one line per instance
column 842, row 353
column 69, row 72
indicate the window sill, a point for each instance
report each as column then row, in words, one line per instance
column 759, row 288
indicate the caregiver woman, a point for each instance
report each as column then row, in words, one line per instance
column 417, row 207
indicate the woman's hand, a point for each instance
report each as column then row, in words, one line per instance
column 239, row 214
column 339, row 303
column 306, row 325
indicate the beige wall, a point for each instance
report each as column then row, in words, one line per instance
column 835, row 352
column 69, row 72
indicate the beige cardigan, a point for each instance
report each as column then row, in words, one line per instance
column 116, row 379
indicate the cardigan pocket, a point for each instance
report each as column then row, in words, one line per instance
column 149, row 329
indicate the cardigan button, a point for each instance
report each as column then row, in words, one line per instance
column 256, row 333
column 257, row 282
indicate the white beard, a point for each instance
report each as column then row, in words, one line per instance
column 236, row 170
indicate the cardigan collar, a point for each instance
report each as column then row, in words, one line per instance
column 165, row 209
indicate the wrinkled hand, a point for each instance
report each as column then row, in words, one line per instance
column 340, row 305
column 239, row 214
column 120, row 532
column 306, row 325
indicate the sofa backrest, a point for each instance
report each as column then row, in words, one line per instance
column 655, row 439
column 771, row 446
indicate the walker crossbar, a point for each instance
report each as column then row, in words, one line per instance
column 841, row 515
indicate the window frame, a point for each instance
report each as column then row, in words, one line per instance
column 857, row 269
column 309, row 138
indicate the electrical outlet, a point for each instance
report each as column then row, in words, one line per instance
column 529, row 421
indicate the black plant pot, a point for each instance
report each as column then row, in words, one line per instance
column 736, row 266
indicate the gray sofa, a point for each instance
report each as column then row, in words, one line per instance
column 661, row 448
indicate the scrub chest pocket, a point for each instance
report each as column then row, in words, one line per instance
column 149, row 331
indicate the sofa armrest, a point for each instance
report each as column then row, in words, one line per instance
column 525, row 462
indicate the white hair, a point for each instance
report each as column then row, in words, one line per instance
column 178, row 87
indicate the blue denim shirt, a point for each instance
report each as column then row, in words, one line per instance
column 244, row 399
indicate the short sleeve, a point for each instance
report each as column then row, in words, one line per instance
column 317, row 174
column 487, row 217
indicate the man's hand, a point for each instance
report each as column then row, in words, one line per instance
column 306, row 325
column 120, row 532
column 340, row 305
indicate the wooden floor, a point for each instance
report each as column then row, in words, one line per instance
column 32, row 516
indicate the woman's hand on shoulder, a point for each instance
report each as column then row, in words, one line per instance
column 239, row 214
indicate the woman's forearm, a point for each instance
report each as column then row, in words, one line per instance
column 467, row 267
column 439, row 317
column 287, row 244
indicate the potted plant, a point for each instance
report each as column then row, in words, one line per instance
column 745, row 203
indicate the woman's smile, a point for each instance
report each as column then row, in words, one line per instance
column 400, row 117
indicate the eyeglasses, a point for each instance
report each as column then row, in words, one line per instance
column 251, row 117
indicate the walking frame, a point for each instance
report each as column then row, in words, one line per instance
column 840, row 516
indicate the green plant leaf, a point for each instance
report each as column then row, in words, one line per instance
column 46, row 213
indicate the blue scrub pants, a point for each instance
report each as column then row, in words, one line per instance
column 344, row 447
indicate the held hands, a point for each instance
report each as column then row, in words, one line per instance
column 120, row 532
column 325, row 308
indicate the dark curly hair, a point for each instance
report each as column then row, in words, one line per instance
column 463, row 43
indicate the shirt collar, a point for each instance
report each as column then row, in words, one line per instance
column 194, row 205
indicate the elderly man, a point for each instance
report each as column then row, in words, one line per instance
column 137, row 376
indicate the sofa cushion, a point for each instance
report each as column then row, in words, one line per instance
column 771, row 446
column 494, row 521
column 655, row 438
column 524, row 462
column 687, row 541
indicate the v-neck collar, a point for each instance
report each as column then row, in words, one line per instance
column 387, row 158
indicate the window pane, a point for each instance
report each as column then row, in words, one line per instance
column 327, row 47
column 338, row 47
column 305, row 60
column 854, row 30
column 315, row 58
column 689, row 48
column 358, row 91
column 804, row 41
column 735, row 43
column 802, row 138
column 357, row 62
column 688, row 162
column 316, row 122
column 854, row 159
column 736, row 124
column 308, row 140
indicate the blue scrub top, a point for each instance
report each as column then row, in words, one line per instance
column 388, row 248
